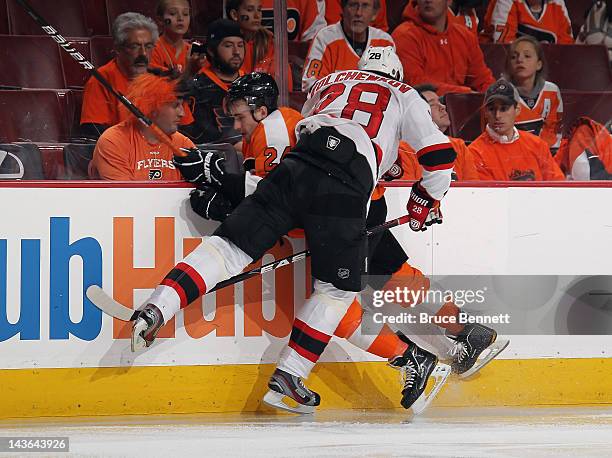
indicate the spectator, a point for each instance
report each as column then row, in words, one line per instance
column 259, row 41
column 333, row 14
column 540, row 101
column 504, row 153
column 131, row 151
column 134, row 37
column 172, row 51
column 597, row 27
column 340, row 46
column 434, row 48
column 460, row 11
column 304, row 18
column 225, row 56
column 464, row 169
column 545, row 20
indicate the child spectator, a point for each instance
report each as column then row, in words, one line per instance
column 304, row 18
column 172, row 51
column 504, row 153
column 134, row 37
column 258, row 41
column 460, row 11
column 333, row 14
column 340, row 46
column 434, row 48
column 130, row 150
column 540, row 100
column 597, row 27
column 464, row 168
column 545, row 20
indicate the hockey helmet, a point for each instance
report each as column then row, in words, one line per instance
column 256, row 89
column 383, row 60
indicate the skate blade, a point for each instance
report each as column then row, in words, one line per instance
column 274, row 399
column 492, row 351
column 108, row 305
column 439, row 375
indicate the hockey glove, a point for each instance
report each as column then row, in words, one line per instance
column 210, row 203
column 201, row 167
column 423, row 209
column 395, row 172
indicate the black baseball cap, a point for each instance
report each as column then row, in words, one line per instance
column 220, row 29
column 502, row 90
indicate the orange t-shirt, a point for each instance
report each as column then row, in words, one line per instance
column 266, row 65
column 123, row 153
column 304, row 18
column 469, row 20
column 271, row 139
column 525, row 159
column 506, row 20
column 333, row 12
column 99, row 105
column 164, row 55
column 331, row 52
column 451, row 60
column 463, row 170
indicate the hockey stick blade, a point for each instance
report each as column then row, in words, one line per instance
column 274, row 399
column 439, row 376
column 108, row 305
column 492, row 351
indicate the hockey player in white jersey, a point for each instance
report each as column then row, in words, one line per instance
column 348, row 140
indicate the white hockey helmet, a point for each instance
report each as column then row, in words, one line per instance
column 382, row 59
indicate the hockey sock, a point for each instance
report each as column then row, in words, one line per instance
column 313, row 327
column 214, row 260
column 451, row 312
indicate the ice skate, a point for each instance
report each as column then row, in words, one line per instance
column 283, row 384
column 416, row 366
column 145, row 327
column 475, row 340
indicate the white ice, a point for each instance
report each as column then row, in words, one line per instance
column 439, row 432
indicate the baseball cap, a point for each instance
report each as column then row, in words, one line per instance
column 220, row 29
column 502, row 90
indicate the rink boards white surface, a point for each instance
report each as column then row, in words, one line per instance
column 126, row 238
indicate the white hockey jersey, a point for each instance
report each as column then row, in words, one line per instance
column 376, row 112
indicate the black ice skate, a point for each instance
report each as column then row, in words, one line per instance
column 471, row 343
column 283, row 384
column 146, row 326
column 416, row 366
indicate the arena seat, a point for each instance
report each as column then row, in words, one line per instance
column 52, row 156
column 579, row 67
column 36, row 115
column 31, row 61
column 595, row 105
column 20, row 162
column 76, row 157
column 394, row 12
column 203, row 12
column 75, row 74
column 101, row 50
column 96, row 17
column 4, row 22
column 495, row 57
column 464, row 113
column 297, row 99
column 66, row 16
column 116, row 7
column 577, row 10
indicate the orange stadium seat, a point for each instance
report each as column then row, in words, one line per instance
column 36, row 115
column 66, row 16
column 464, row 113
column 595, row 105
column 74, row 73
column 31, row 61
column 101, row 49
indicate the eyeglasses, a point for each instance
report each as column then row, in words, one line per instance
column 354, row 6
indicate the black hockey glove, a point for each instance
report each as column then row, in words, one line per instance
column 209, row 203
column 201, row 167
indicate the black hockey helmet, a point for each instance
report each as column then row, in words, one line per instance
column 256, row 89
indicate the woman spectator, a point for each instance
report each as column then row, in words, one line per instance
column 540, row 100
column 259, row 42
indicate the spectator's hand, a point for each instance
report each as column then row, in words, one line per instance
column 210, row 203
column 201, row 167
column 423, row 209
column 195, row 62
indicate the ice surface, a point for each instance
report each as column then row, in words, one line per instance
column 440, row 432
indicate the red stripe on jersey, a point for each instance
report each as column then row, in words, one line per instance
column 311, row 332
column 194, row 275
column 438, row 167
column 303, row 352
column 178, row 288
column 430, row 148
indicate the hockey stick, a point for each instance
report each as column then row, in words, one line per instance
column 66, row 46
column 113, row 308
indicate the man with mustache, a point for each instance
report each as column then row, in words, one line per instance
column 340, row 46
column 224, row 58
column 134, row 37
